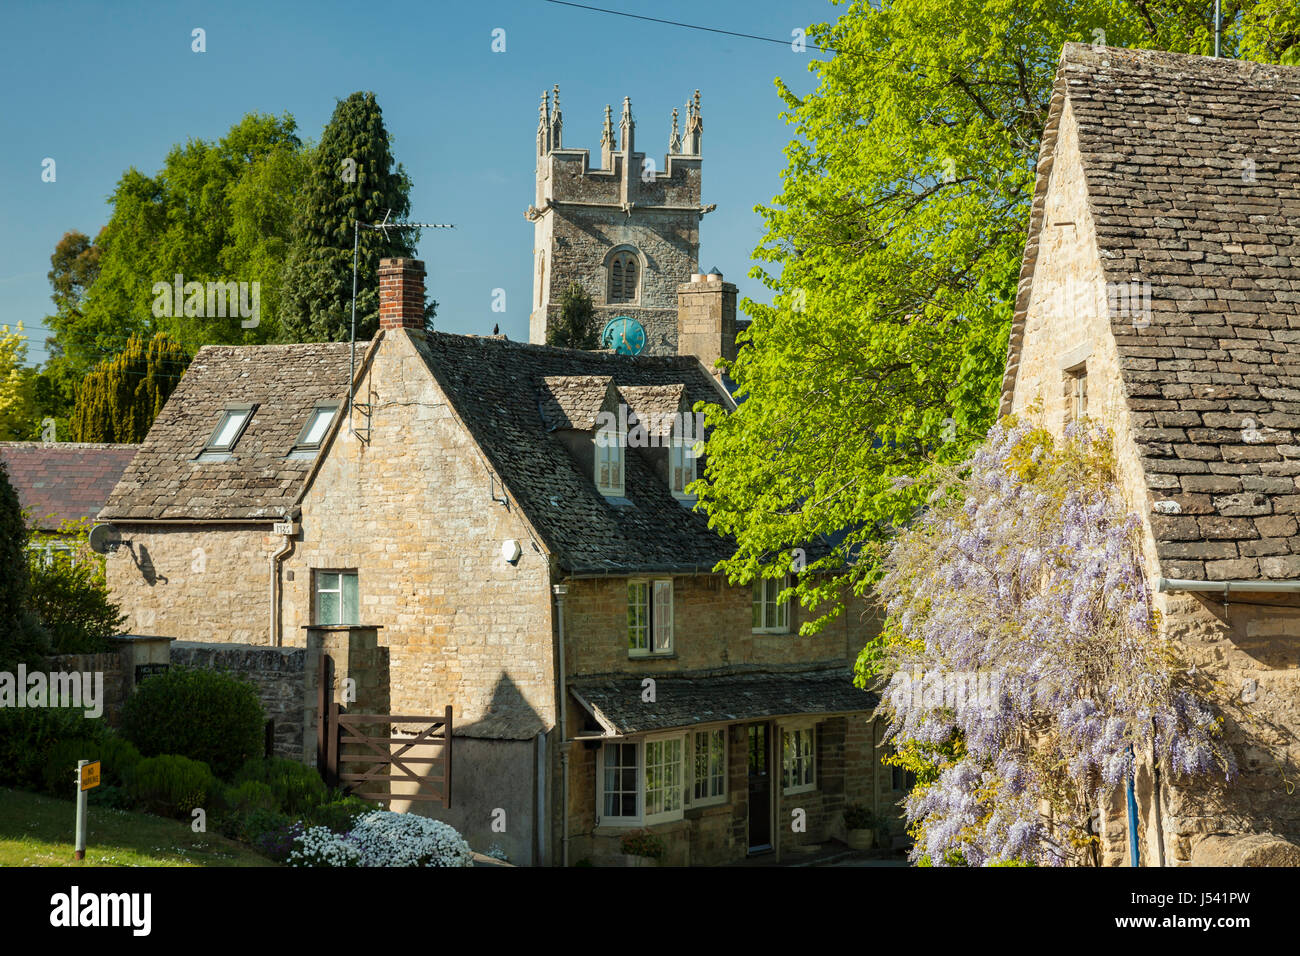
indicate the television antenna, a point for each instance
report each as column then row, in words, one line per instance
column 384, row 226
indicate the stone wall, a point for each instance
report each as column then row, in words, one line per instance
column 195, row 582
column 285, row 686
column 114, row 665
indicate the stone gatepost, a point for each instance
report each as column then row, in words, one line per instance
column 360, row 683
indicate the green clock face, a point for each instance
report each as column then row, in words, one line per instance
column 624, row 335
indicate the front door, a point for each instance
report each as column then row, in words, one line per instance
column 760, row 788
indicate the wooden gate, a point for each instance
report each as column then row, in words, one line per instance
column 372, row 765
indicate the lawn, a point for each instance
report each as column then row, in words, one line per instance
column 38, row 831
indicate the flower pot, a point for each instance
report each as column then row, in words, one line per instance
column 861, row 839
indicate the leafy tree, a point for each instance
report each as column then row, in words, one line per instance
column 17, row 402
column 1027, row 662
column 353, row 177
column 575, row 327
column 69, row 593
column 892, row 254
column 121, row 396
column 21, row 638
column 216, row 212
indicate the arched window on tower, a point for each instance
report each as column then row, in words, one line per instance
column 622, row 278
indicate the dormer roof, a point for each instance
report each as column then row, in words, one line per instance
column 573, row 401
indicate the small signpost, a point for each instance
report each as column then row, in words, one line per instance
column 87, row 778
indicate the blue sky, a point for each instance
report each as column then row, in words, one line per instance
column 102, row 87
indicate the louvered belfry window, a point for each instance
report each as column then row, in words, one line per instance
column 622, row 278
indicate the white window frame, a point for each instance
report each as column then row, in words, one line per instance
column 677, row 788
column 681, row 462
column 655, row 628
column 327, row 410
column 611, row 454
column 761, row 621
column 804, row 731
column 693, row 752
column 317, row 591
column 243, row 413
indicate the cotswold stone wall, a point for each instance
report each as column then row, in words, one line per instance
column 195, row 582
column 1248, row 650
column 284, row 685
column 114, row 665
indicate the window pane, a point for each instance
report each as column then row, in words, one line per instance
column 351, row 613
column 229, row 428
column 320, row 422
column 327, row 607
column 663, row 616
column 758, row 603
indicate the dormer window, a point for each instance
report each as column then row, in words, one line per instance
column 610, row 445
column 623, row 271
column 313, row 433
column 234, row 419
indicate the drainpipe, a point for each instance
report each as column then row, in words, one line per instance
column 1134, row 856
column 275, row 588
column 1167, row 585
column 560, row 590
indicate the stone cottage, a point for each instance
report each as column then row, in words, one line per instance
column 1160, row 295
column 513, row 520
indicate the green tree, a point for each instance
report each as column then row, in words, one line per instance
column 575, row 327
column 353, row 177
column 21, row 638
column 69, row 593
column 17, row 402
column 121, row 396
column 216, row 212
column 892, row 254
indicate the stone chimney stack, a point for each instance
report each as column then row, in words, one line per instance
column 706, row 319
column 401, row 294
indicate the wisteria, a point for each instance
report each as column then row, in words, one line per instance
column 1027, row 664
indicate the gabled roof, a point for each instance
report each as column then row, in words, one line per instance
column 573, row 401
column 285, row 382
column 1192, row 166
column 68, row 481
column 497, row 389
column 655, row 406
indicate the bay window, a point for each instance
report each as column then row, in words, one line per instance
column 798, row 759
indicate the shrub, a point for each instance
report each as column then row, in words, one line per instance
column 298, row 789
column 340, row 814
column 117, row 758
column 385, row 838
column 69, row 593
column 171, row 785
column 858, row 816
column 259, row 824
column 29, row 734
column 243, row 798
column 204, row 715
column 643, row 843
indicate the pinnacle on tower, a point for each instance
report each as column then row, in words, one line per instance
column 675, row 140
column 694, row 126
column 544, row 125
column 628, row 128
column 608, row 144
column 557, row 124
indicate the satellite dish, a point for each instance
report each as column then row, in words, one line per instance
column 105, row 539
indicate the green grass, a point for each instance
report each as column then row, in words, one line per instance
column 38, row 831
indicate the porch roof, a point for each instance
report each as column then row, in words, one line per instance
column 617, row 706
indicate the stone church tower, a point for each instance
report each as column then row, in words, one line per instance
column 628, row 232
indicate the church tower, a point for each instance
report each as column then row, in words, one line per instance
column 628, row 232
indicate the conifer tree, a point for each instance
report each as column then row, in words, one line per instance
column 121, row 397
column 22, row 640
column 575, row 328
column 353, row 177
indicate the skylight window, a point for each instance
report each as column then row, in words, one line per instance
column 234, row 419
column 313, row 433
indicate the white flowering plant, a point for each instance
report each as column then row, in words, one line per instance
column 383, row 838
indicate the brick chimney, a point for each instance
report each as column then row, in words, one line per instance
column 706, row 319
column 401, row 294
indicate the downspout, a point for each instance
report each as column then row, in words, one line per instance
column 1135, row 858
column 275, row 588
column 560, row 590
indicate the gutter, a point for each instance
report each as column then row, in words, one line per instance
column 1169, row 585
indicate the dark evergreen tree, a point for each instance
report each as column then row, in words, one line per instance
column 22, row 640
column 353, row 177
column 576, row 327
column 118, row 401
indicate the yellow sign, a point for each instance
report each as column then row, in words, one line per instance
column 90, row 776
